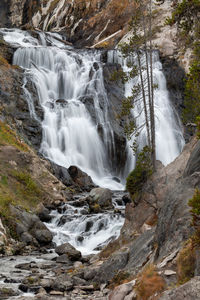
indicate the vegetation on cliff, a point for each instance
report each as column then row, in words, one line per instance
column 186, row 16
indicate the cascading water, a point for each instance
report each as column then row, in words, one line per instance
column 169, row 137
column 65, row 80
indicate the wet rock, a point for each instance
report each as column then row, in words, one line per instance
column 69, row 250
column 62, row 174
column 30, row 229
column 6, row 293
column 81, row 178
column 189, row 291
column 101, row 197
column 43, row 213
column 64, row 259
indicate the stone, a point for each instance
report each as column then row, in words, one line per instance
column 121, row 291
column 169, row 272
column 69, row 250
column 101, row 197
column 43, row 213
column 140, row 251
column 64, row 259
column 6, row 293
column 78, row 264
column 56, row 293
column 189, row 291
column 80, row 178
column 108, row 269
column 193, row 164
column 62, row 174
column 62, row 283
column 30, row 229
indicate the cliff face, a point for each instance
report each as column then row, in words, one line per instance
column 83, row 22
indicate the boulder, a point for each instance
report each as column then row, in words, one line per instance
column 189, row 291
column 43, row 213
column 193, row 164
column 69, row 250
column 80, row 178
column 62, row 174
column 121, row 291
column 101, row 197
column 29, row 228
column 109, row 268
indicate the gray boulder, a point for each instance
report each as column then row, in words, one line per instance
column 43, row 213
column 80, row 178
column 29, row 228
column 189, row 291
column 69, row 250
column 101, row 197
column 193, row 164
column 62, row 174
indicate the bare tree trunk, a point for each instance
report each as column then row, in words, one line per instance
column 148, row 75
column 152, row 93
column 144, row 99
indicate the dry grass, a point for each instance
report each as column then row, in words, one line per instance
column 149, row 283
column 186, row 262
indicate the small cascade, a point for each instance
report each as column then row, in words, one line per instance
column 169, row 136
column 87, row 232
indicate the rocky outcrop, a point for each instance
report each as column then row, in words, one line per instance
column 159, row 222
column 189, row 291
column 13, row 102
column 30, row 229
column 83, row 22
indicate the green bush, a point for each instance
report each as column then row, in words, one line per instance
column 143, row 170
column 194, row 203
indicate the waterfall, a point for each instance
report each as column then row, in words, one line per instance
column 67, row 81
column 70, row 89
column 169, row 136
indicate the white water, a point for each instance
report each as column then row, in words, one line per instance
column 86, row 232
column 169, row 137
column 64, row 79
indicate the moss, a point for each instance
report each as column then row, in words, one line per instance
column 186, row 263
column 149, row 283
column 9, row 137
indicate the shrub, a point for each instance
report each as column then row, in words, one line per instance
column 194, row 203
column 143, row 170
column 186, row 263
column 149, row 282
